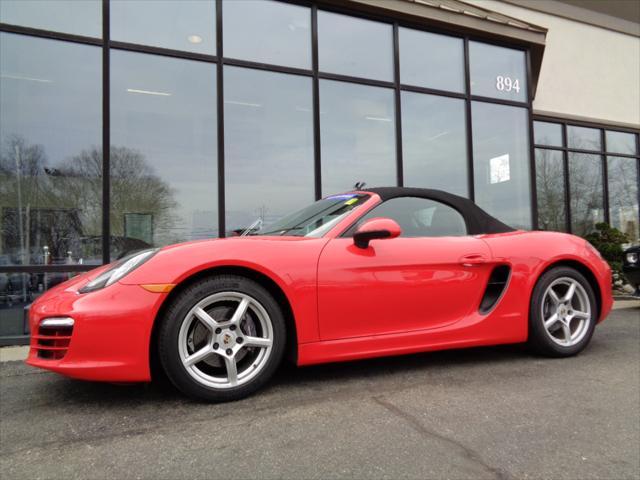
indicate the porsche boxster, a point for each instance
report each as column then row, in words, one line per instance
column 363, row 274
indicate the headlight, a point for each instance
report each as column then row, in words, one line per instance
column 632, row 257
column 118, row 270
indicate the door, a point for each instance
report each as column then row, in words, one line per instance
column 431, row 276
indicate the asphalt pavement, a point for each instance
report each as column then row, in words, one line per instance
column 467, row 414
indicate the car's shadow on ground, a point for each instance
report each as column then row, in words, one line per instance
column 299, row 381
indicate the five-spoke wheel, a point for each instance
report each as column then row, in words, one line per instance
column 225, row 339
column 221, row 338
column 562, row 316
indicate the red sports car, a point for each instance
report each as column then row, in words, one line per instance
column 363, row 274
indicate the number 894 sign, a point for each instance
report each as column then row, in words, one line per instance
column 507, row 84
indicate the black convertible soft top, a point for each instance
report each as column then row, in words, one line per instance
column 478, row 221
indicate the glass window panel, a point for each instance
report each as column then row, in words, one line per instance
column 501, row 162
column 583, row 138
column 497, row 72
column 357, row 133
column 163, row 151
column 68, row 16
column 50, row 151
column 419, row 217
column 269, row 145
column 546, row 133
column 177, row 24
column 268, row 32
column 434, row 142
column 354, row 46
column 550, row 190
column 623, row 195
column 621, row 142
column 431, row 60
column 585, row 188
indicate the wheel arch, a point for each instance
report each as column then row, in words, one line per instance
column 585, row 271
column 291, row 345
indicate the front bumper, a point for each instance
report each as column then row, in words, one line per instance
column 111, row 332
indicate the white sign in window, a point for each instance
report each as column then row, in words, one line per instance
column 499, row 169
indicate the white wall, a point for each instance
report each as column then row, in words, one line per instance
column 587, row 71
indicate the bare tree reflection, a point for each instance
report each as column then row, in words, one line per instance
column 550, row 190
column 587, row 195
column 623, row 195
column 61, row 207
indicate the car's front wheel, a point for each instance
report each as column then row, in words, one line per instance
column 222, row 338
column 563, row 313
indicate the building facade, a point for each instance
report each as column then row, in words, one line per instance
column 133, row 123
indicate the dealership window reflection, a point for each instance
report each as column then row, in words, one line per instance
column 268, row 146
column 550, row 190
column 431, row 60
column 188, row 25
column 434, row 147
column 163, row 151
column 67, row 16
column 547, row 133
column 501, row 162
column 355, row 46
column 623, row 195
column 268, row 31
column 587, row 194
column 582, row 138
column 50, row 122
column 497, row 72
column 357, row 136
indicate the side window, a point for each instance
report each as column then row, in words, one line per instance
column 419, row 217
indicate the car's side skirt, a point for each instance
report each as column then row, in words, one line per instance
column 483, row 334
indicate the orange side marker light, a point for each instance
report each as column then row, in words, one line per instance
column 158, row 287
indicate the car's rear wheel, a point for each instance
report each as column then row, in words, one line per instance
column 563, row 313
column 222, row 338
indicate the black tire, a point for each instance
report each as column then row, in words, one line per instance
column 540, row 340
column 175, row 315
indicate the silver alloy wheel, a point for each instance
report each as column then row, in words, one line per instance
column 241, row 343
column 566, row 311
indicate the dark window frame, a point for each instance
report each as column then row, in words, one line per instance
column 220, row 60
column 602, row 153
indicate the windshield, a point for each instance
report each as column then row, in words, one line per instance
column 316, row 219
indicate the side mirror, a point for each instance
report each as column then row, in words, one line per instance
column 375, row 229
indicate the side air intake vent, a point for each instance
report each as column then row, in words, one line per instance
column 497, row 283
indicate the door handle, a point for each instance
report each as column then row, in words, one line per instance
column 473, row 259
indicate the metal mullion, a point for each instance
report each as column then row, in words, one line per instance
column 532, row 160
column 499, row 101
column 567, row 192
column 592, row 152
column 549, row 147
column 398, row 105
column 605, row 177
column 47, row 268
column 165, row 52
column 236, row 62
column 358, row 80
column 583, row 123
column 40, row 33
column 638, row 174
column 431, row 91
column 220, row 121
column 468, row 122
column 317, row 147
column 106, row 135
